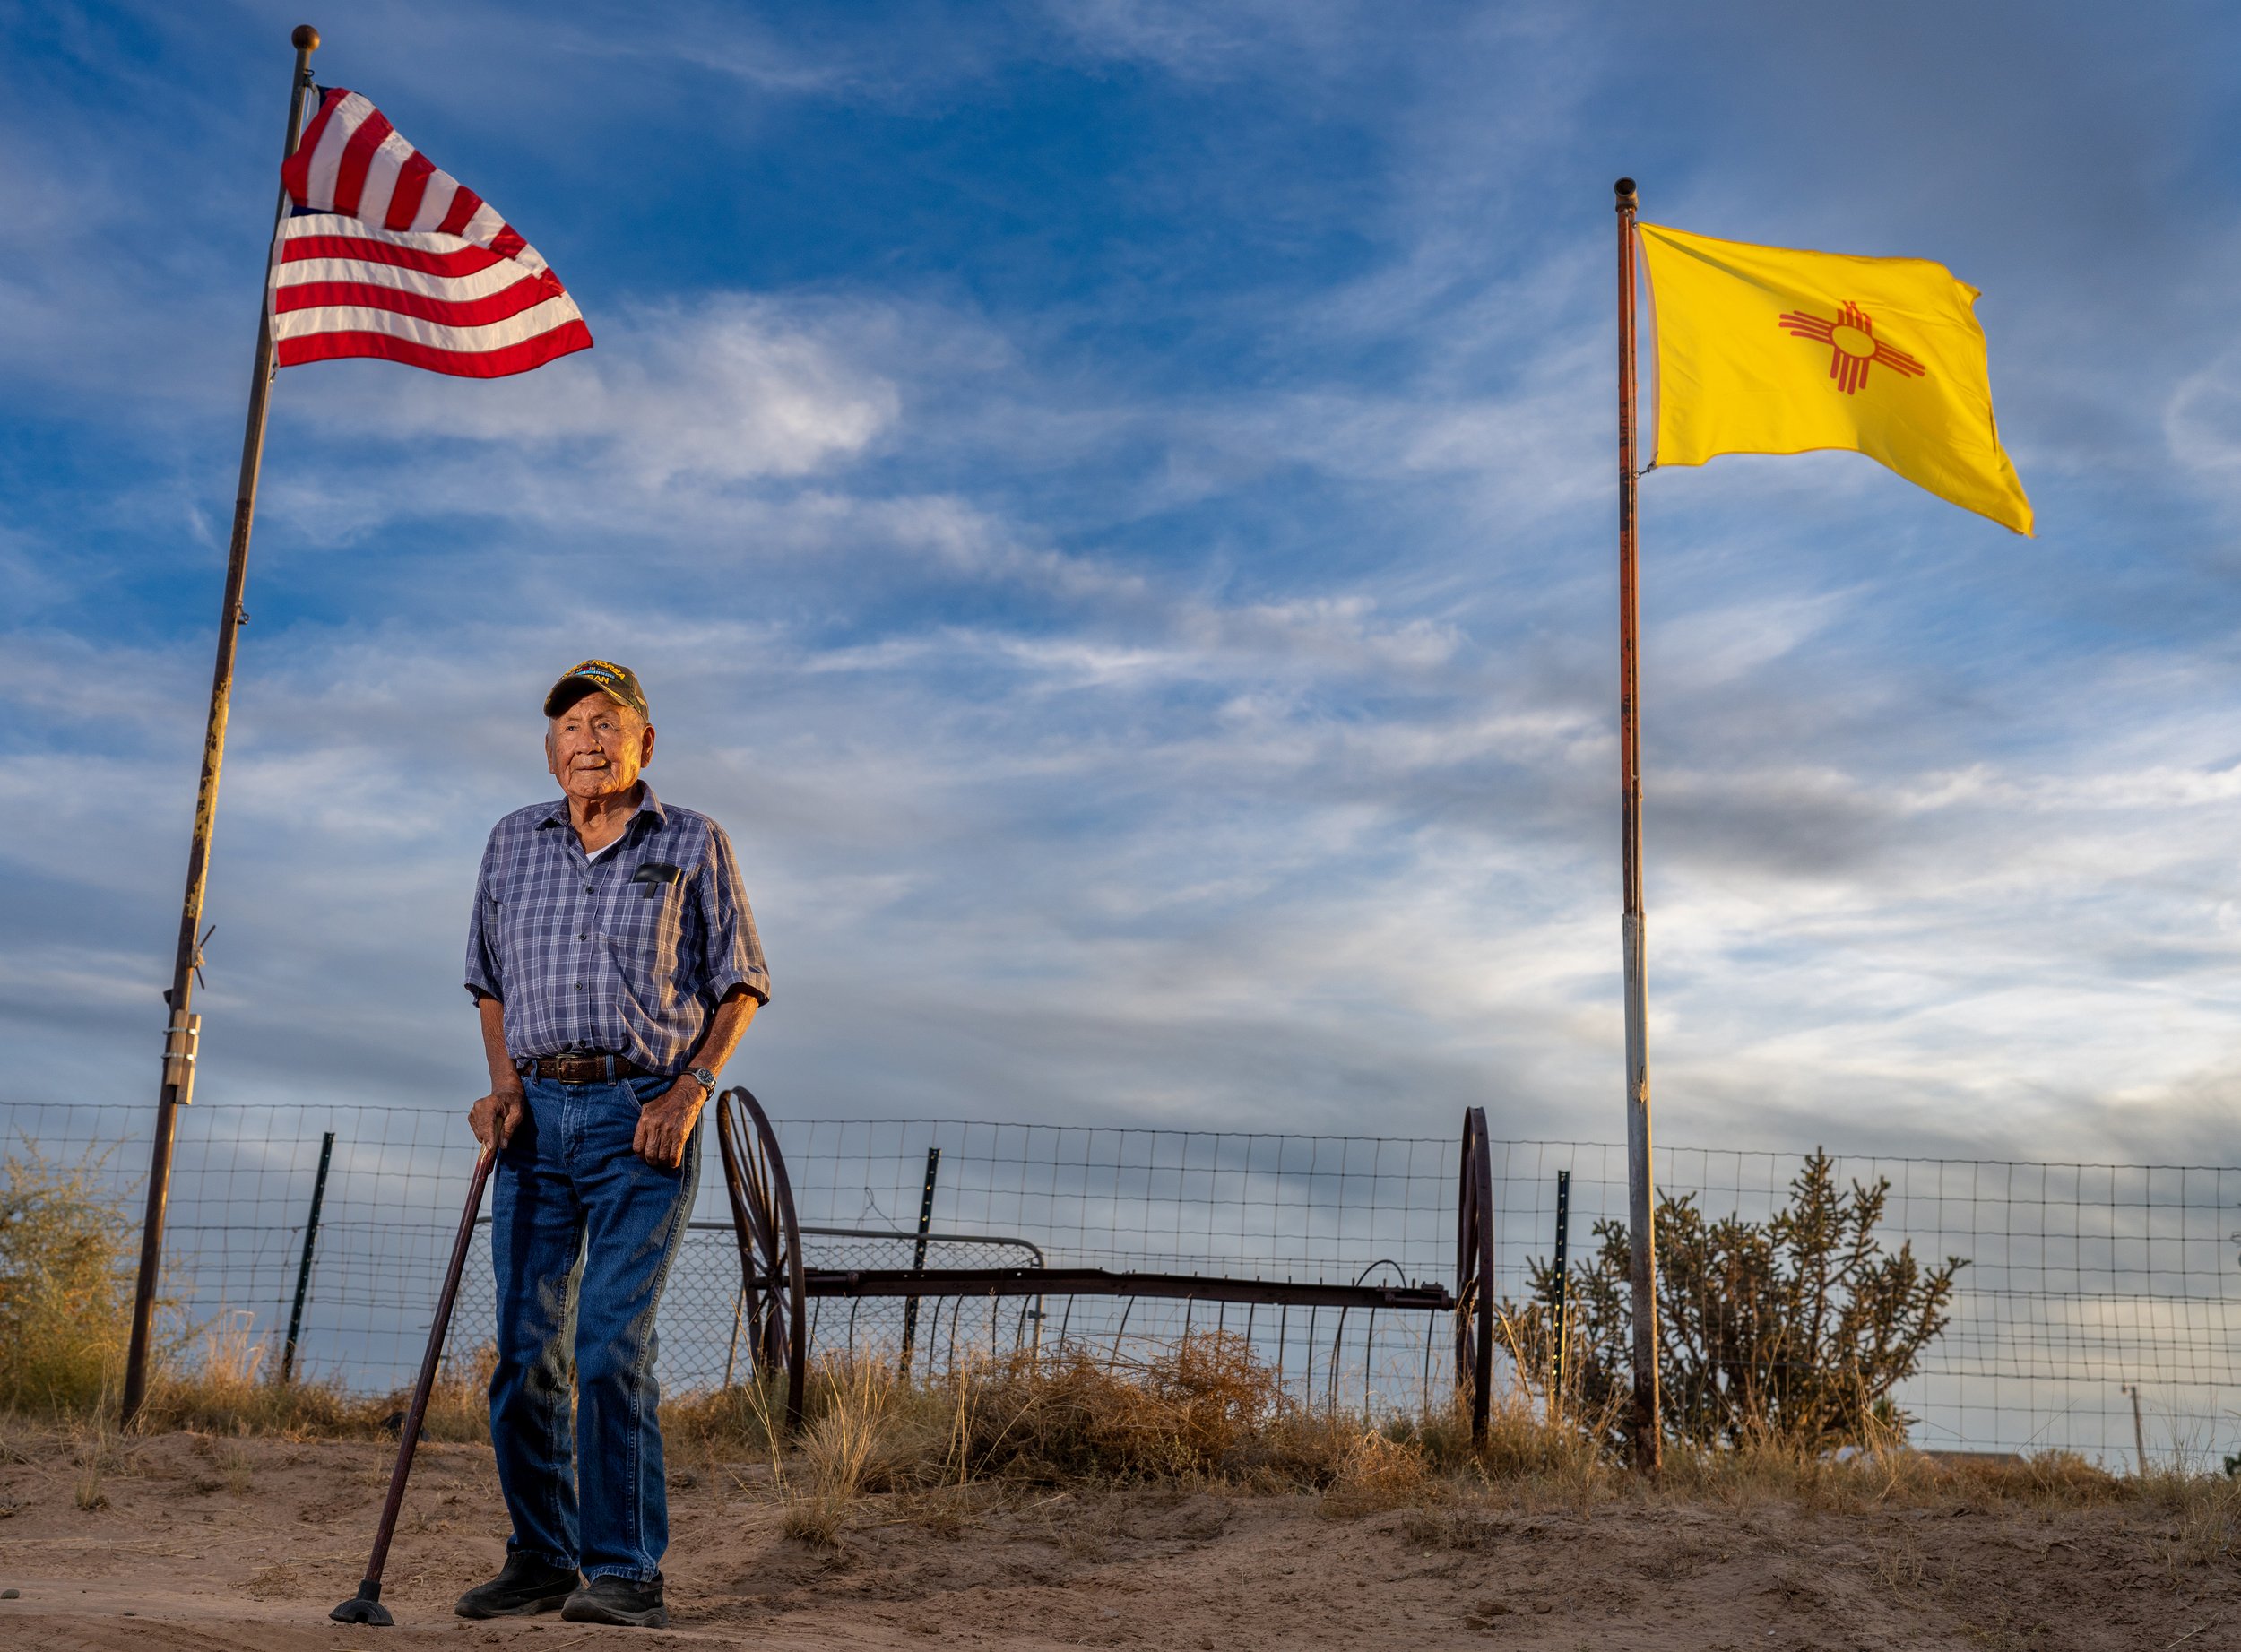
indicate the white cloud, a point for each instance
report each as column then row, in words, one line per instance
column 725, row 387
column 2201, row 423
column 1122, row 728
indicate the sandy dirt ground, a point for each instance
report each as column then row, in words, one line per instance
column 244, row 1546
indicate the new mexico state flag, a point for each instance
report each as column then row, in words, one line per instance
column 1763, row 349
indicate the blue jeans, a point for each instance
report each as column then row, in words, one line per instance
column 582, row 1233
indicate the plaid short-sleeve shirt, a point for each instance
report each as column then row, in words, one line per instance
column 626, row 954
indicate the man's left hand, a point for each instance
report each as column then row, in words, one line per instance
column 667, row 1120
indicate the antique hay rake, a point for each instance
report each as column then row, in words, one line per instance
column 783, row 1284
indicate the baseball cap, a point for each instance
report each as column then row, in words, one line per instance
column 618, row 683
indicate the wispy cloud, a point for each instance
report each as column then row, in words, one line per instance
column 1112, row 505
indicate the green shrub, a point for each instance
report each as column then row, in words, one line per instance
column 1790, row 1331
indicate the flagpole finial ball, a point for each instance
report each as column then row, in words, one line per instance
column 306, row 38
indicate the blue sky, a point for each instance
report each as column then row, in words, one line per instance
column 1112, row 505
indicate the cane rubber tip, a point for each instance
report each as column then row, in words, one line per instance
column 1624, row 190
column 363, row 1608
column 306, row 38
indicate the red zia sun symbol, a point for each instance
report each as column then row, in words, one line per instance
column 1853, row 346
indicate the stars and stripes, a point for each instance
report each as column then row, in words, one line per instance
column 387, row 255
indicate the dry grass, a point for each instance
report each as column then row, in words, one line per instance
column 69, row 1251
column 1206, row 1415
column 858, row 1436
column 1205, row 1407
column 1203, row 1412
column 219, row 1392
column 66, row 1267
column 95, row 1453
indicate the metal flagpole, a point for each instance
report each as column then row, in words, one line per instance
column 183, row 1026
column 1641, row 1202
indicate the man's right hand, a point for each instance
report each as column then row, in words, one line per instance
column 496, row 1116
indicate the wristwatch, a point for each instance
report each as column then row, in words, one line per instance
column 705, row 1077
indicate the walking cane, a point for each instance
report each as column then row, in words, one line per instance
column 365, row 1607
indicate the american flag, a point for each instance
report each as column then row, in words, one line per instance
column 387, row 255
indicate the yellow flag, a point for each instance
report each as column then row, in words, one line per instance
column 1765, row 349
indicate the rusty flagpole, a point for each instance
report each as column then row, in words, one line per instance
column 181, row 1025
column 1641, row 1202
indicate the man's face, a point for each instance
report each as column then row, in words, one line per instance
column 596, row 747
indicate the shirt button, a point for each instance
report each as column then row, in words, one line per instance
column 579, row 986
column 587, row 888
column 584, row 935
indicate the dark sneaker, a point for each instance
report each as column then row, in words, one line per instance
column 527, row 1586
column 609, row 1599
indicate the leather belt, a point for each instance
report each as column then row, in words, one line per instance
column 585, row 1069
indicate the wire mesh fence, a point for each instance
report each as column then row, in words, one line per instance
column 2082, row 1280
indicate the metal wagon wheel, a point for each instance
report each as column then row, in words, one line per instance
column 771, row 1275
column 1475, row 1274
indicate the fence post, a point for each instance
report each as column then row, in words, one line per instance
column 1563, row 1282
column 2138, row 1434
column 738, row 1313
column 918, row 1258
column 303, row 1268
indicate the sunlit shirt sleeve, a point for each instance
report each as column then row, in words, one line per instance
column 483, row 977
column 731, row 952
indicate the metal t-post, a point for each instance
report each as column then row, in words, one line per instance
column 303, row 1268
column 1563, row 1284
column 918, row 1258
column 181, row 1025
column 2139, row 1433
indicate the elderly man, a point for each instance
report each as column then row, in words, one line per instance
column 615, row 963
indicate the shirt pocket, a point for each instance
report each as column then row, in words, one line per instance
column 644, row 921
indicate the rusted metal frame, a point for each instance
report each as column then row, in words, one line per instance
column 810, row 1230
column 771, row 1326
column 1466, row 1220
column 180, row 1023
column 1641, row 1202
column 769, row 1236
column 745, row 1227
column 889, row 1281
column 782, row 1210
